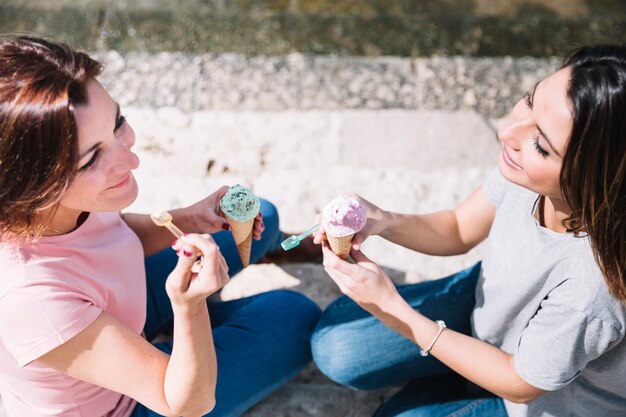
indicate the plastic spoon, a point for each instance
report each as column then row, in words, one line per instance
column 164, row 219
column 294, row 240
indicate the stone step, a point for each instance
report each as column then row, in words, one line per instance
column 403, row 160
column 196, row 82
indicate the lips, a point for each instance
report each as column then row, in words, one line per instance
column 509, row 161
column 122, row 183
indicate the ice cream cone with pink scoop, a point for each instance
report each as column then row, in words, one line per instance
column 343, row 217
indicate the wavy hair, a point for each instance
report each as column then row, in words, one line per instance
column 593, row 174
column 40, row 84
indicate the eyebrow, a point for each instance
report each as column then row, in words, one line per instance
column 532, row 99
column 96, row 145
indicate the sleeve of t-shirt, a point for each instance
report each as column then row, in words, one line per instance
column 494, row 186
column 36, row 318
column 559, row 342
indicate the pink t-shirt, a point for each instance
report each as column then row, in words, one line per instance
column 52, row 290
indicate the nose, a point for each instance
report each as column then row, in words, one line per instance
column 125, row 159
column 513, row 133
column 128, row 136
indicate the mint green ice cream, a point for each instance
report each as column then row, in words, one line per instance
column 240, row 204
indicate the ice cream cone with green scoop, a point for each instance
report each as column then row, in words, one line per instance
column 240, row 206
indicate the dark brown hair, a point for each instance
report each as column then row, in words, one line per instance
column 593, row 174
column 40, row 83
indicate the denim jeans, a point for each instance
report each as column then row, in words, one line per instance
column 355, row 349
column 261, row 341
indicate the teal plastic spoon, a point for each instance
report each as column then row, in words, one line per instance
column 294, row 240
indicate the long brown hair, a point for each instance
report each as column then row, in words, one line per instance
column 593, row 174
column 40, row 83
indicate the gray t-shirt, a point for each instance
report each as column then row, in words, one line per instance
column 541, row 297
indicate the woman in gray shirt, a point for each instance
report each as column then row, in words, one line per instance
column 536, row 329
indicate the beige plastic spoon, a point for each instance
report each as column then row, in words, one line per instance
column 164, row 219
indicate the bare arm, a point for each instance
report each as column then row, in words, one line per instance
column 478, row 361
column 204, row 216
column 442, row 233
column 449, row 232
column 109, row 354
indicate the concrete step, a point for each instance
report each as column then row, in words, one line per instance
column 489, row 86
column 403, row 160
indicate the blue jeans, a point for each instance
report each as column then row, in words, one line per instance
column 355, row 349
column 261, row 341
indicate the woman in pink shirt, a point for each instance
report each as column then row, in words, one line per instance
column 79, row 300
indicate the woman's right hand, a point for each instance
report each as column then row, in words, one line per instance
column 377, row 219
column 193, row 279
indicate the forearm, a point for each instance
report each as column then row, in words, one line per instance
column 191, row 374
column 478, row 361
column 434, row 234
column 154, row 238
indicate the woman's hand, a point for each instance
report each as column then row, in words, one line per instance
column 376, row 222
column 193, row 279
column 364, row 282
column 206, row 216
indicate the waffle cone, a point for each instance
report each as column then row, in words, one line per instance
column 242, row 233
column 341, row 245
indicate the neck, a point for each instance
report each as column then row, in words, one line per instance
column 555, row 210
column 63, row 221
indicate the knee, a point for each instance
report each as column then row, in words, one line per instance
column 334, row 354
column 296, row 312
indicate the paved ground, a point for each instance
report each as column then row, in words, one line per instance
column 411, row 135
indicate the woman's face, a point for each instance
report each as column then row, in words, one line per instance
column 104, row 181
column 534, row 143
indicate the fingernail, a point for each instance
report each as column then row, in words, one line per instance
column 261, row 214
column 226, row 226
column 174, row 243
column 187, row 253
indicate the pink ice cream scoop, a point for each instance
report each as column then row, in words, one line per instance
column 343, row 216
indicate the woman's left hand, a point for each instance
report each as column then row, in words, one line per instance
column 364, row 281
column 207, row 217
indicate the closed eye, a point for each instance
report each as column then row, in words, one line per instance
column 119, row 122
column 91, row 161
column 528, row 100
column 542, row 152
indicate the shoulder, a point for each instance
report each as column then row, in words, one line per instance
column 496, row 188
column 583, row 287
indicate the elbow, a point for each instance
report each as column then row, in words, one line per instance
column 198, row 411
column 523, row 397
column 208, row 406
column 200, row 408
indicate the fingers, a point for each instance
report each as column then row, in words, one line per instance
column 330, row 260
column 182, row 271
column 259, row 227
column 320, row 235
column 217, row 196
column 193, row 245
column 362, row 260
column 357, row 241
